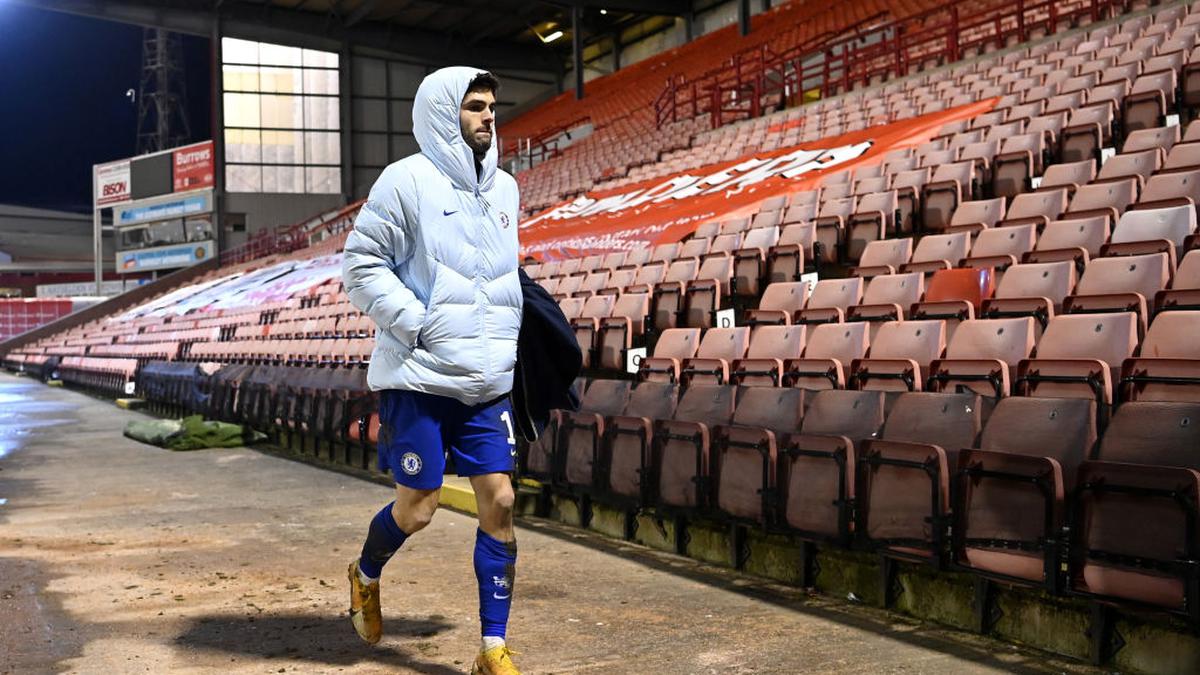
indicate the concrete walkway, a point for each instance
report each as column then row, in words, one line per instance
column 116, row 557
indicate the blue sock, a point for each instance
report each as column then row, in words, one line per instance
column 495, row 568
column 383, row 539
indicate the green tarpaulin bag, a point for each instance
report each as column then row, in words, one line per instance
column 192, row 433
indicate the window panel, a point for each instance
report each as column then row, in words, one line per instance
column 323, row 179
column 282, row 147
column 320, row 81
column 278, row 55
column 243, row 145
column 240, row 78
column 283, row 179
column 320, row 112
column 242, row 110
column 243, row 178
column 281, row 111
column 322, row 147
column 281, row 80
column 239, row 51
column 318, row 59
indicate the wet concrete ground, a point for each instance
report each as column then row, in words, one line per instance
column 116, row 557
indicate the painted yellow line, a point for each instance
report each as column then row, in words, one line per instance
column 459, row 497
column 530, row 483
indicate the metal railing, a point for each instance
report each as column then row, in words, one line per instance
column 872, row 53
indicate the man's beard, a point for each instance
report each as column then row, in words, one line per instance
column 479, row 148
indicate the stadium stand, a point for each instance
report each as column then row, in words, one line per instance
column 1037, row 267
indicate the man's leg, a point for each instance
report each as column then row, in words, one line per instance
column 408, row 514
column 495, row 554
column 485, row 450
column 411, row 446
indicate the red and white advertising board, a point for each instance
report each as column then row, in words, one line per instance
column 193, row 166
column 667, row 209
column 112, row 183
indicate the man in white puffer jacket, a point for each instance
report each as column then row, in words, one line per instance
column 433, row 260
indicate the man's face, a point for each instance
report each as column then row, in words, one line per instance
column 477, row 117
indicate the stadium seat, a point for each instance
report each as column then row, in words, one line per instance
column 831, row 228
column 888, row 298
column 975, row 216
column 1035, row 289
column 785, row 260
column 884, row 257
column 628, row 443
column 1077, row 356
column 1038, row 207
column 580, row 432
column 618, row 331
column 673, row 346
column 939, row 252
column 1164, row 230
column 1000, row 248
column 817, row 468
column 719, row 347
column 830, row 350
column 1121, row 284
column 903, row 494
column 586, row 324
column 770, row 347
column 951, row 185
column 1108, row 199
column 682, row 445
column 1135, row 510
column 982, row 356
column 750, row 260
column 874, row 216
column 829, row 300
column 900, row 356
column 779, row 302
column 1068, row 176
column 705, row 294
column 745, row 453
column 1010, row 510
column 1167, row 367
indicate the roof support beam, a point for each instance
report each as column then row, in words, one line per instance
column 658, row 7
column 360, row 12
column 305, row 29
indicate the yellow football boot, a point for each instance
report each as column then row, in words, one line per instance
column 495, row 661
column 364, row 607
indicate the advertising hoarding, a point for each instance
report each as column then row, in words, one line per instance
column 112, row 184
column 193, row 166
column 164, row 257
column 162, row 208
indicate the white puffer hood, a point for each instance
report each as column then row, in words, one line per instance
column 438, row 132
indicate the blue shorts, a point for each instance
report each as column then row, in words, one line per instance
column 416, row 429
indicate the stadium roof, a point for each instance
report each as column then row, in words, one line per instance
column 512, row 34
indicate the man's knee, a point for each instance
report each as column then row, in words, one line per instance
column 501, row 502
column 414, row 510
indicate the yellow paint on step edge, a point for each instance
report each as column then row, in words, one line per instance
column 129, row 403
column 459, row 499
column 54, row 383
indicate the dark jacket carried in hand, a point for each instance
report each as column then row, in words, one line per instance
column 548, row 361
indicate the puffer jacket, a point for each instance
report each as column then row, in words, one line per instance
column 433, row 259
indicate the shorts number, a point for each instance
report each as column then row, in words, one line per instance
column 506, row 417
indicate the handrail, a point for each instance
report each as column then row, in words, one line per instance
column 290, row 238
column 540, row 146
